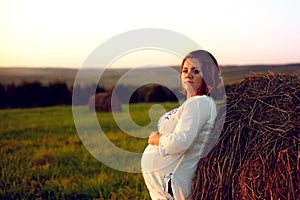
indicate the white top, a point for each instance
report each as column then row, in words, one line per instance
column 186, row 133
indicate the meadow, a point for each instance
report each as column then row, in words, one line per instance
column 42, row 156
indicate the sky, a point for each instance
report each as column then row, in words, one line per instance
column 62, row 33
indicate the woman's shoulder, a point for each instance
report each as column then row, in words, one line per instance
column 197, row 103
column 199, row 99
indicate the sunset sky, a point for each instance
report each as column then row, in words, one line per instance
column 62, row 33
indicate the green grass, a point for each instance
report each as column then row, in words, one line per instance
column 42, row 156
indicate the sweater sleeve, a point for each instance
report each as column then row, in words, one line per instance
column 195, row 114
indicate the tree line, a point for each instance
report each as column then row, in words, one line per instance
column 36, row 94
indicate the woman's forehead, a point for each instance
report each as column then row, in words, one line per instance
column 192, row 63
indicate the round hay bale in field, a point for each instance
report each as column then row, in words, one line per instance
column 104, row 102
column 256, row 156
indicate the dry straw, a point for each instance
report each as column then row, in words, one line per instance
column 257, row 156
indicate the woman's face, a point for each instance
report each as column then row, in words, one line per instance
column 191, row 76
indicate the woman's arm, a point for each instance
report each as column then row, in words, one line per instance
column 194, row 116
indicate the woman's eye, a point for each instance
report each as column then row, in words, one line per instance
column 184, row 71
column 196, row 71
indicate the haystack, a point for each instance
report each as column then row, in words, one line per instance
column 104, row 102
column 257, row 155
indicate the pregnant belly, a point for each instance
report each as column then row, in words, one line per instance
column 153, row 161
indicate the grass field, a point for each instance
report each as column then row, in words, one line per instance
column 44, row 158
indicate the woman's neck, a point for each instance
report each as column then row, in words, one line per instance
column 188, row 95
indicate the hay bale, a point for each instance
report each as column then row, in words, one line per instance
column 103, row 102
column 256, row 156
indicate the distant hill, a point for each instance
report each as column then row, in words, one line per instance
column 230, row 74
column 43, row 75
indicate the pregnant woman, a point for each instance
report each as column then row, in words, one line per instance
column 184, row 134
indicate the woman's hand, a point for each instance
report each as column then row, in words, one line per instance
column 154, row 138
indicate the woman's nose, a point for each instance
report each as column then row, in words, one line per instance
column 189, row 74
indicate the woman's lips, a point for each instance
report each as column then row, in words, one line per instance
column 188, row 82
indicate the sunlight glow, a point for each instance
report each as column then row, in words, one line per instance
column 64, row 32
